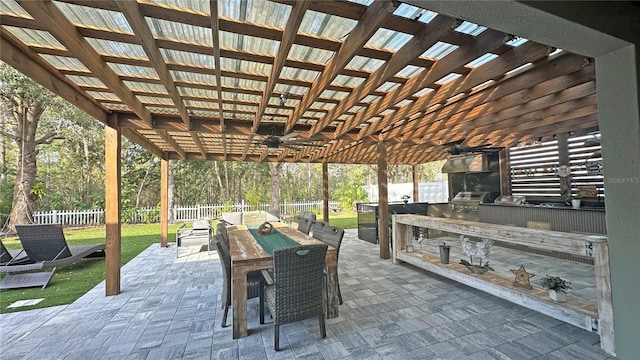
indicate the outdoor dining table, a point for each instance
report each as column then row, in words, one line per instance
column 247, row 255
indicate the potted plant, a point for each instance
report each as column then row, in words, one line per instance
column 575, row 200
column 557, row 287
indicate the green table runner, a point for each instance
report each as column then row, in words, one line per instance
column 272, row 241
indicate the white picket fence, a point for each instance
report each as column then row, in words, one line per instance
column 180, row 214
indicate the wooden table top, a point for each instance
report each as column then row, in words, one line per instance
column 244, row 248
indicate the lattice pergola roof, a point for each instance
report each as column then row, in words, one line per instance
column 193, row 79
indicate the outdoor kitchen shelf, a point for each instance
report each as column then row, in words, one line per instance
column 592, row 317
column 575, row 311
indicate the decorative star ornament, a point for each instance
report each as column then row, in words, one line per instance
column 522, row 277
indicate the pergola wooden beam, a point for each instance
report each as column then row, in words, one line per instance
column 491, row 70
column 215, row 36
column 495, row 68
column 419, row 43
column 512, row 89
column 57, row 24
column 134, row 136
column 288, row 36
column 435, row 125
column 485, row 42
column 30, row 64
column 375, row 15
column 139, row 25
column 164, row 135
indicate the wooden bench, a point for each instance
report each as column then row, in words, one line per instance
column 597, row 317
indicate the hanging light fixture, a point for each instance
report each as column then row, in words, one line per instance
column 283, row 99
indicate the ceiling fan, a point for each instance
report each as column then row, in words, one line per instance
column 273, row 142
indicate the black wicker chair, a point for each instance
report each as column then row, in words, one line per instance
column 332, row 236
column 317, row 229
column 254, row 280
column 221, row 229
column 308, row 215
column 304, row 225
column 296, row 289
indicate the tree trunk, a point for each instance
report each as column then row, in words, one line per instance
column 27, row 116
column 3, row 151
column 309, row 182
column 219, row 178
column 151, row 164
column 274, row 171
column 226, row 179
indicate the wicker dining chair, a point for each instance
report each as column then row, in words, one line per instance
column 305, row 225
column 295, row 292
column 332, row 236
column 221, row 229
column 317, row 229
column 254, row 280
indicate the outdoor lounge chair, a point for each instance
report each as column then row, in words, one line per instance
column 45, row 247
column 46, row 243
column 9, row 257
column 200, row 233
column 13, row 265
column 16, row 276
column 295, row 291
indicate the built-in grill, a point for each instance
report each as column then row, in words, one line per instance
column 510, row 200
column 466, row 203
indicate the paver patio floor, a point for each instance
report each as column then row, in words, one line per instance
column 169, row 308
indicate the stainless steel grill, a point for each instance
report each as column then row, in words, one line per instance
column 510, row 200
column 466, row 203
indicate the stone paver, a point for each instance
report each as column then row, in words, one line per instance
column 169, row 308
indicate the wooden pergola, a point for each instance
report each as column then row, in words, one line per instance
column 388, row 83
column 384, row 83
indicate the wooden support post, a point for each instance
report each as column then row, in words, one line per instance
column 112, row 159
column 325, row 192
column 164, row 201
column 383, row 207
column 402, row 235
column 416, row 184
column 605, row 300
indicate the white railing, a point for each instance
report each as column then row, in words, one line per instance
column 180, row 214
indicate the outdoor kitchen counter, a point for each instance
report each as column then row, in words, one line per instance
column 556, row 206
column 557, row 218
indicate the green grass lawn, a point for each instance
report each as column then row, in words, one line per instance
column 344, row 220
column 72, row 281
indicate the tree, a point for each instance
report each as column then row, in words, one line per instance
column 274, row 172
column 349, row 180
column 23, row 102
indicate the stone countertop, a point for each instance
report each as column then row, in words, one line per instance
column 558, row 206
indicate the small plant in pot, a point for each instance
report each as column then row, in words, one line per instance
column 557, row 287
column 574, row 200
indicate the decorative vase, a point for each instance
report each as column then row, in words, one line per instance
column 444, row 253
column 575, row 203
column 559, row 296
